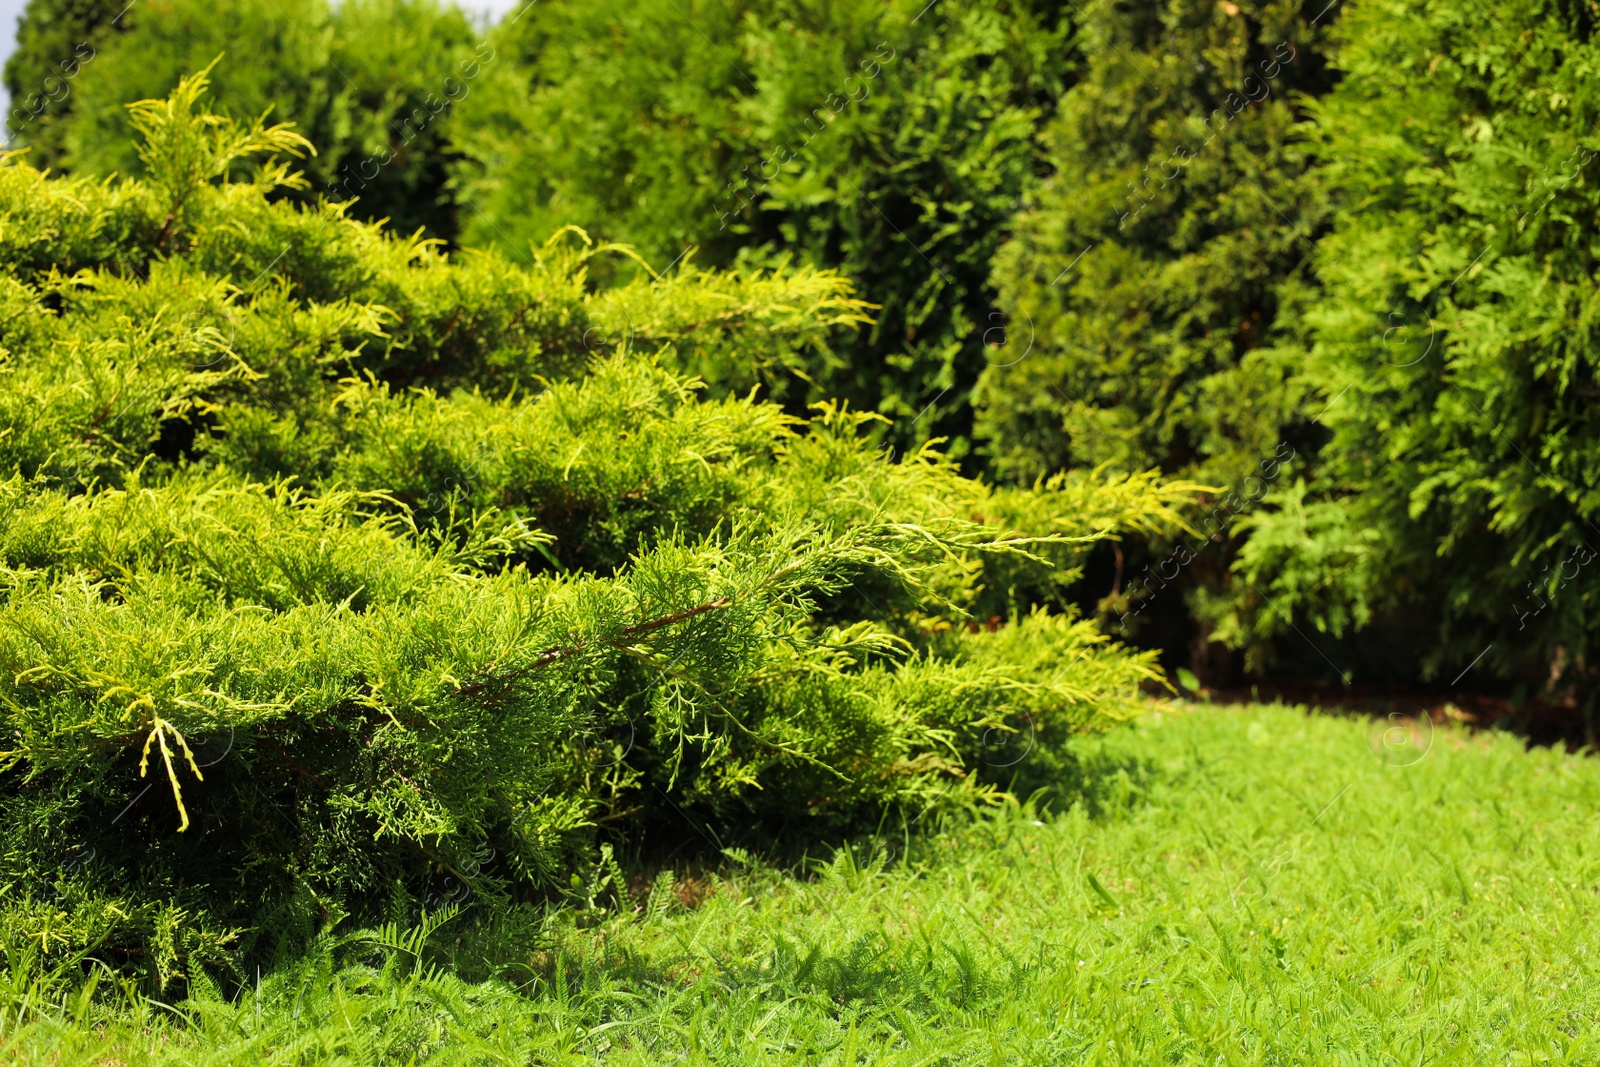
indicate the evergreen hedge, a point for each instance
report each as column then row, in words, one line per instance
column 891, row 143
column 1451, row 350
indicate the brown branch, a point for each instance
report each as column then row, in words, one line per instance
column 516, row 320
column 552, row 655
column 616, row 815
column 668, row 620
column 166, row 225
column 450, row 328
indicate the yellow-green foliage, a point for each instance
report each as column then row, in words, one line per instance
column 329, row 561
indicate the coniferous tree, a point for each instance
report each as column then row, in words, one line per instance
column 1152, row 272
column 1452, row 348
column 373, row 82
column 56, row 39
column 1152, row 266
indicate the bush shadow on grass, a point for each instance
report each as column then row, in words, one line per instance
column 1083, row 772
column 578, row 965
column 565, row 953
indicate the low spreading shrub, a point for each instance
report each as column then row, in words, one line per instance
column 331, row 564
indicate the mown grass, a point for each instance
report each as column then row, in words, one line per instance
column 1237, row 886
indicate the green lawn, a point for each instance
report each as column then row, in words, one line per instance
column 1238, row 886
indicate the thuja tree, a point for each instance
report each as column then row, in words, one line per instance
column 1453, row 349
column 891, row 143
column 372, row 83
column 337, row 574
column 1152, row 266
column 1152, row 272
column 56, row 39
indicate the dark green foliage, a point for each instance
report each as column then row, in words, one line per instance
column 371, row 83
column 611, row 117
column 889, row 143
column 56, row 39
column 329, row 562
column 1153, row 265
column 1453, row 345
